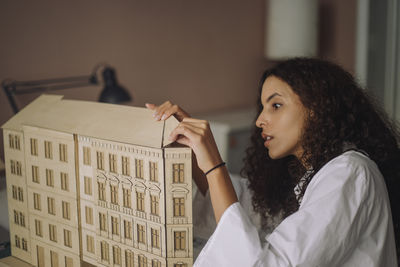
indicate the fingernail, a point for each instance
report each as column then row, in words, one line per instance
column 163, row 117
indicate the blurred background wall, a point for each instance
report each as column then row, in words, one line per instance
column 204, row 55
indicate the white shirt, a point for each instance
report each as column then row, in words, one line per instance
column 344, row 220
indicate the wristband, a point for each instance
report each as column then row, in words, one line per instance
column 216, row 167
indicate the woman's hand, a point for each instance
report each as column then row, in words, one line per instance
column 163, row 112
column 166, row 109
column 197, row 135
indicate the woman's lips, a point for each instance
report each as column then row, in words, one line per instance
column 267, row 139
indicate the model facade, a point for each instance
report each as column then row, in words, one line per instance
column 97, row 183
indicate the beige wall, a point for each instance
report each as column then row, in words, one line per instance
column 205, row 55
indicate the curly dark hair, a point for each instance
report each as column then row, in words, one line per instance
column 342, row 112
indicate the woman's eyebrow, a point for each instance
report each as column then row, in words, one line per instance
column 272, row 96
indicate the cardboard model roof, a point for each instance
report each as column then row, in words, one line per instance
column 125, row 124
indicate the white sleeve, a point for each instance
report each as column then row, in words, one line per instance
column 309, row 237
column 203, row 214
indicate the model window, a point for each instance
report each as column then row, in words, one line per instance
column 103, row 221
column 17, row 142
column 114, row 194
column 16, row 217
column 155, row 238
column 180, row 240
column 100, row 160
column 179, row 206
column 125, row 166
column 17, row 241
column 22, row 219
column 24, row 244
column 20, row 194
column 38, row 228
column 13, row 169
column 128, row 229
column 89, row 215
column 153, row 171
column 53, row 259
column 48, row 150
column 63, row 153
column 34, row 147
column 178, row 173
column 141, row 234
column 127, row 197
column 90, row 243
column 113, row 162
column 35, row 174
column 86, row 155
column 114, row 225
column 154, row 205
column 36, row 201
column 18, row 168
column 49, row 177
column 88, row 185
column 102, row 191
column 139, row 201
column 104, row 253
column 51, row 206
column 14, row 192
column 139, row 168
column 11, row 140
column 116, row 255
column 67, row 238
column 68, row 262
column 52, row 233
column 40, row 256
column 142, row 260
column 66, row 210
column 64, row 181
column 129, row 257
column 155, row 263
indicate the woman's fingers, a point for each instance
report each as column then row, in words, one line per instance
column 197, row 135
column 189, row 130
column 166, row 110
column 150, row 106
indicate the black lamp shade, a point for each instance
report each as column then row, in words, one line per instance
column 112, row 92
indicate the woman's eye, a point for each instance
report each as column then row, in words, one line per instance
column 276, row 105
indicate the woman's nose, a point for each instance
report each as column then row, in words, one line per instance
column 260, row 122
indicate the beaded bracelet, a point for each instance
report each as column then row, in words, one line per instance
column 217, row 166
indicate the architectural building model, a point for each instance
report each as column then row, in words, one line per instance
column 97, row 183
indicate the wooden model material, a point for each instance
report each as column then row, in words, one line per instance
column 97, row 183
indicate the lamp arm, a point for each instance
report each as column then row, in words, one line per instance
column 38, row 88
column 12, row 88
column 55, row 81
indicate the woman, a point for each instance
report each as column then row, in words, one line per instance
column 322, row 156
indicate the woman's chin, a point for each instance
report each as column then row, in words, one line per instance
column 275, row 155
